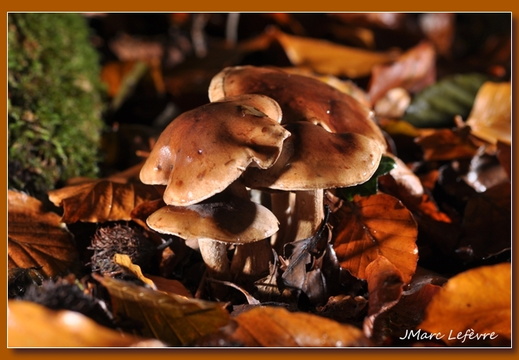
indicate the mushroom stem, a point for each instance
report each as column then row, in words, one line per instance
column 300, row 213
column 214, row 254
column 251, row 261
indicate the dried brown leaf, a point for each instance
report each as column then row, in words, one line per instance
column 385, row 286
column 448, row 144
column 277, row 327
column 473, row 303
column 376, row 225
column 37, row 237
column 414, row 70
column 110, row 199
column 32, row 325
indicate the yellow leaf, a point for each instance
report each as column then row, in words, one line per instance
column 126, row 262
column 37, row 237
column 173, row 319
column 490, row 118
column 328, row 58
column 33, row 325
column 472, row 304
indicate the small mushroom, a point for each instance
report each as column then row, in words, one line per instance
column 302, row 98
column 312, row 160
column 204, row 150
column 216, row 223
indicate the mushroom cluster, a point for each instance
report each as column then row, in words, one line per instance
column 290, row 136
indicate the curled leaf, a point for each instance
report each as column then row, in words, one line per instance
column 372, row 226
column 126, row 262
column 472, row 304
column 36, row 237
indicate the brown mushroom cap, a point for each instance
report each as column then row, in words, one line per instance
column 204, row 150
column 223, row 218
column 313, row 158
column 301, row 98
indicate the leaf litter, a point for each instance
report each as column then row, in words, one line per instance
column 418, row 256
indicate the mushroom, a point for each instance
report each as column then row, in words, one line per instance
column 302, row 98
column 310, row 100
column 198, row 156
column 204, row 150
column 216, row 223
column 313, row 159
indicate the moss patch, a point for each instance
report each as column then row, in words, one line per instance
column 55, row 101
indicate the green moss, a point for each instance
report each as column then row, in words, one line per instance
column 55, row 101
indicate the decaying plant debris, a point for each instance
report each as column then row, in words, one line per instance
column 268, row 182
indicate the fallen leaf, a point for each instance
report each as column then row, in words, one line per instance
column 304, row 258
column 491, row 115
column 36, row 237
column 277, row 327
column 170, row 286
column 438, row 104
column 414, row 70
column 471, row 304
column 409, row 312
column 330, row 58
column 33, row 325
column 485, row 171
column 173, row 319
column 448, row 144
column 385, row 286
column 126, row 262
column 371, row 226
column 110, row 199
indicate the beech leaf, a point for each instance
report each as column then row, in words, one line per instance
column 110, row 199
column 329, row 58
column 477, row 301
column 33, row 325
column 491, row 115
column 375, row 225
column 37, row 237
column 277, row 327
column 173, row 319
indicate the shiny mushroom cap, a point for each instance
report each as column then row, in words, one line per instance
column 223, row 217
column 301, row 98
column 204, row 150
column 313, row 158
